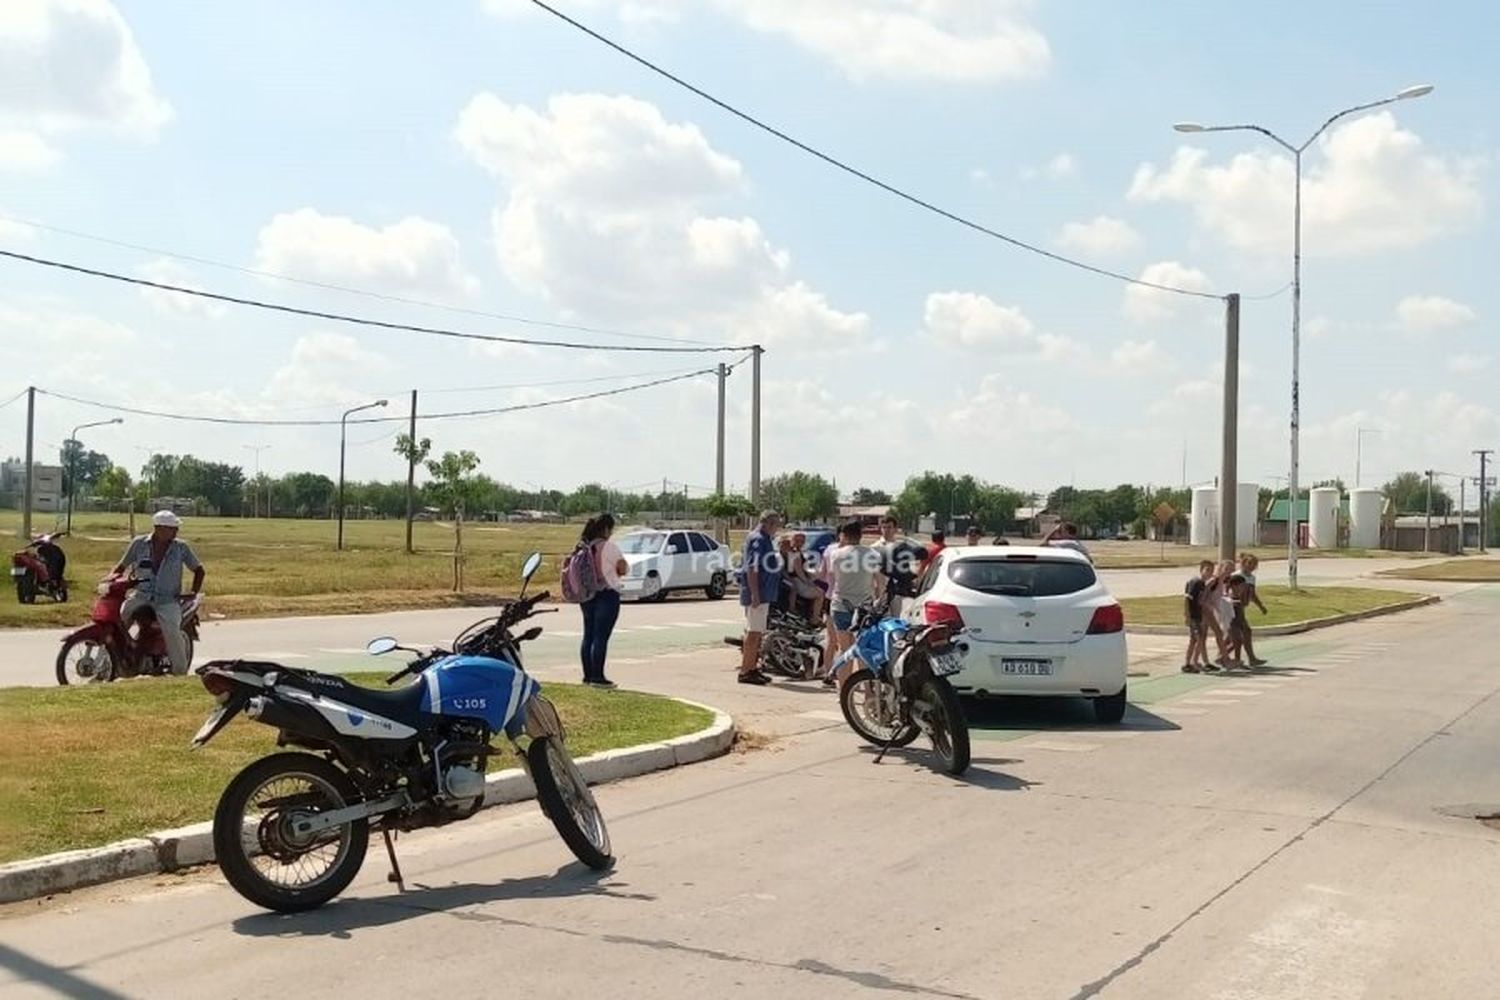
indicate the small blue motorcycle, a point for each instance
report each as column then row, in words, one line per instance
column 291, row 830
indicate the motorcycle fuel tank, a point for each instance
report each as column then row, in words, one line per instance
column 478, row 687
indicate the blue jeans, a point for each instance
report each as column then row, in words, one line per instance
column 600, row 613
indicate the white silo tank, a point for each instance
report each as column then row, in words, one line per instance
column 1202, row 523
column 1247, row 514
column 1365, row 506
column 1323, row 518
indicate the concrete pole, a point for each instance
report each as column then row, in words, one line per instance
column 1484, row 496
column 1462, row 484
column 1229, row 476
column 755, row 352
column 719, row 440
column 30, row 440
column 1296, row 463
column 1427, row 532
column 411, row 472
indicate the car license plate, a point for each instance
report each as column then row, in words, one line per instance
column 947, row 663
column 18, row 571
column 1025, row 668
column 206, row 730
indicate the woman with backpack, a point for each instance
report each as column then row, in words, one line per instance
column 593, row 573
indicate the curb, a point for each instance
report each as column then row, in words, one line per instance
column 172, row 850
column 1294, row 628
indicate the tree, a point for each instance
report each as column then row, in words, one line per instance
column 454, row 490
column 1337, row 484
column 1408, row 494
column 801, row 496
column 308, row 494
column 113, row 484
column 727, row 505
column 865, row 497
column 1059, row 499
column 84, row 466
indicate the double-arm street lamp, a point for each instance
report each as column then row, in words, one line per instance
column 343, row 428
column 1297, row 151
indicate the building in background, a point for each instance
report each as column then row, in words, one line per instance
column 46, row 485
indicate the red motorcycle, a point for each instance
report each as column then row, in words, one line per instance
column 105, row 649
column 38, row 569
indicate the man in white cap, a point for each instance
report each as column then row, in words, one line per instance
column 157, row 560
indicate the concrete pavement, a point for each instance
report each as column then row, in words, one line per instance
column 646, row 631
column 1286, row 835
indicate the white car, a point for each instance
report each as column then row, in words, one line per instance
column 1039, row 623
column 663, row 561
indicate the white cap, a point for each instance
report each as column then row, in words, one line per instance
column 166, row 519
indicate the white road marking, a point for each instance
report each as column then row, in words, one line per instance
column 564, row 634
column 723, row 621
column 646, row 628
column 1211, row 703
column 1061, row 746
column 688, row 624
column 344, row 650
column 277, row 655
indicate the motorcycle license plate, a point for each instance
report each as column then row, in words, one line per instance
column 18, row 571
column 1026, row 668
column 947, row 663
column 207, row 729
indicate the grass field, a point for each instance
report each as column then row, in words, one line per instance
column 1283, row 606
column 85, row 766
column 1457, row 570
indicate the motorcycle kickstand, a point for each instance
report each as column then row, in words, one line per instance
column 390, row 850
column 888, row 745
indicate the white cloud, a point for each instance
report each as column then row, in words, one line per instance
column 169, row 272
column 1374, row 186
column 1099, row 237
column 70, row 65
column 606, row 215
column 1468, row 364
column 1059, row 167
column 1141, row 356
column 1153, row 305
column 1431, row 314
column 1199, row 395
column 995, row 396
column 981, row 176
column 320, row 368
column 966, row 319
column 48, row 327
column 23, row 151
column 414, row 256
column 15, row 232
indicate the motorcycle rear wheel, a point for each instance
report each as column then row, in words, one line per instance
column 857, row 700
column 566, row 800
column 104, row 668
column 950, row 731
column 259, row 853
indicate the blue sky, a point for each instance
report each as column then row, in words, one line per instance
column 494, row 159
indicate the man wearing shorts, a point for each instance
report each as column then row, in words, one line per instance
column 760, row 585
column 851, row 570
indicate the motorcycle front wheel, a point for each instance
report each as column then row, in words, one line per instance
column 84, row 661
column 255, row 839
column 566, row 800
column 950, row 731
column 869, row 706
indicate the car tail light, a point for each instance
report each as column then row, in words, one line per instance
column 217, row 684
column 939, row 613
column 1107, row 619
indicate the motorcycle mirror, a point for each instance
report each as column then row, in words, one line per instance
column 529, row 568
column 381, row 645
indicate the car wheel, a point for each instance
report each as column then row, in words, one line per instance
column 717, row 587
column 1110, row 709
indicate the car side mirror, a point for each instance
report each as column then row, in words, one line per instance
column 672, row 550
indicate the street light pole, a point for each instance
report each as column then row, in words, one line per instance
column 343, row 428
column 1296, row 420
column 254, row 496
column 72, row 462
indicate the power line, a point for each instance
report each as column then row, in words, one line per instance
column 329, row 286
column 12, row 399
column 862, row 175
column 549, row 384
column 364, row 321
column 456, row 414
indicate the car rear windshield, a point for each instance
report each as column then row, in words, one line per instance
column 1022, row 577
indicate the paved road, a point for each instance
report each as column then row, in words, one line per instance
column 1274, row 836
column 336, row 643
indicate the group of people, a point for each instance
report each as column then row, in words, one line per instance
column 1215, row 603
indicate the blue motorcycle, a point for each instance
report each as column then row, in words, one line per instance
column 291, row 830
column 895, row 686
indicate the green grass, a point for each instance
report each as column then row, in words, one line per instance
column 81, row 767
column 1283, row 606
column 1457, row 570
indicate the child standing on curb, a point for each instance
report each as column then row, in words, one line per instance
column 1197, row 650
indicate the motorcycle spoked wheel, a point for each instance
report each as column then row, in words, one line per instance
column 260, row 853
column 945, row 724
column 864, row 700
column 567, row 801
column 85, row 662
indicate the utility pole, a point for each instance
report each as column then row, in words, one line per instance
column 719, row 452
column 30, row 438
column 254, row 496
column 755, row 352
column 1484, row 495
column 1427, row 534
column 411, row 471
column 1229, row 477
column 1462, row 506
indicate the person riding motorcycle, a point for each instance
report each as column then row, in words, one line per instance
column 156, row 561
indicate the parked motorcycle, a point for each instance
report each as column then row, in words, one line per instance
column 898, row 688
column 38, row 569
column 792, row 646
column 291, row 830
column 104, row 650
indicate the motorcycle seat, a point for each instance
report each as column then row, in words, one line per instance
column 402, row 704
